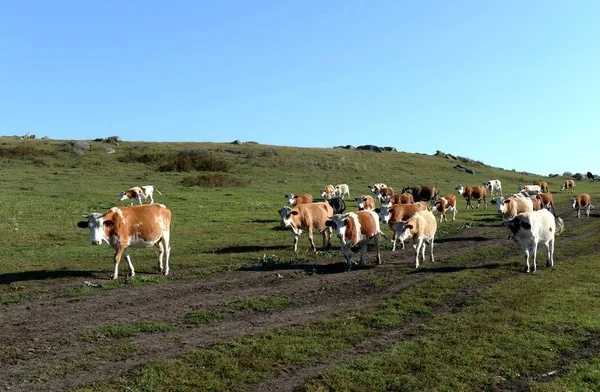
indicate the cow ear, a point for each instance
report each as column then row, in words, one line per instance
column 409, row 227
column 329, row 223
column 83, row 224
column 294, row 212
column 378, row 210
column 506, row 201
column 109, row 223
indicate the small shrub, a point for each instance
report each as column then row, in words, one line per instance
column 213, row 181
column 148, row 158
column 190, row 160
column 23, row 152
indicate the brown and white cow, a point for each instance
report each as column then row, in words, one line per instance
column 136, row 227
column 529, row 190
column 308, row 217
column 398, row 198
column 422, row 192
column 328, row 191
column 443, row 204
column 303, row 198
column 581, row 201
column 365, row 202
column 384, row 193
column 473, row 192
column 543, row 186
column 514, row 205
column 356, row 229
column 421, row 228
column 399, row 212
column 138, row 193
column 547, row 200
column 568, row 186
column 535, row 227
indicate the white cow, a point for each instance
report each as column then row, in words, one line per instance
column 530, row 189
column 138, row 193
column 341, row 190
column 535, row 227
column 494, row 187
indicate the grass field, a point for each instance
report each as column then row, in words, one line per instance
column 241, row 311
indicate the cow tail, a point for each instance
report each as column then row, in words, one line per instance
column 158, row 191
column 383, row 235
column 560, row 225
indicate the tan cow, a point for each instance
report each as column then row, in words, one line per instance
column 398, row 198
column 443, row 204
column 421, row 228
column 396, row 213
column 473, row 192
column 581, row 201
column 136, row 227
column 356, row 229
column 328, row 191
column 568, row 186
column 365, row 202
column 308, row 217
column 303, row 198
column 511, row 206
column 543, row 186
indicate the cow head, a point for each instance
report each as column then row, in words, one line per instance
column 286, row 214
column 460, row 188
column 499, row 203
column 384, row 213
column 98, row 227
column 404, row 230
column 339, row 222
column 573, row 202
column 291, row 198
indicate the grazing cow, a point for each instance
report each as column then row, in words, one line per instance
column 398, row 198
column 422, row 192
column 543, row 186
column 530, row 189
column 512, row 206
column 365, row 202
column 138, row 193
column 473, row 192
column 421, row 229
column 443, row 204
column 308, row 217
column 328, row 191
column 303, row 198
column 494, row 187
column 547, row 200
column 337, row 204
column 356, row 229
column 535, row 227
column 136, row 227
column 399, row 212
column 342, row 190
column 581, row 201
column 568, row 186
column 590, row 176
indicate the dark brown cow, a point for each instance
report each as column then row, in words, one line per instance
column 547, row 200
column 422, row 192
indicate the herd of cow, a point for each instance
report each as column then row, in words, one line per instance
column 529, row 215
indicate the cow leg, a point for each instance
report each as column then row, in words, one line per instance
column 527, row 259
column 550, row 253
column 534, row 251
column 348, row 255
column 363, row 250
column 378, row 253
column 423, row 248
column 453, row 213
column 485, row 203
column 417, row 247
column 394, row 238
column 129, row 264
column 431, row 249
column 295, row 242
column 311, row 240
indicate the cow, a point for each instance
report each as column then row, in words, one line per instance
column 535, row 227
column 375, row 187
column 396, row 213
column 421, row 229
column 547, row 200
column 494, row 187
column 337, row 204
column 398, row 198
column 328, row 191
column 138, row 193
column 568, row 186
column 136, row 227
column 356, row 229
column 303, row 198
column 543, row 186
column 581, row 201
column 365, row 202
column 443, row 204
column 473, row 192
column 422, row 192
column 384, row 193
column 512, row 206
column 342, row 190
column 590, row 176
column 529, row 189
column 307, row 217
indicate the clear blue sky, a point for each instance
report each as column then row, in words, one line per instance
column 514, row 84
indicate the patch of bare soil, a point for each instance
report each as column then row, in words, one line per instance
column 41, row 339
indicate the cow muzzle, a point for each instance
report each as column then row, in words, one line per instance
column 96, row 242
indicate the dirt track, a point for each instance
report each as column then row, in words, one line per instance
column 40, row 337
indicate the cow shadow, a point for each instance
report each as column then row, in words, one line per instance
column 460, row 239
column 453, row 268
column 247, row 248
column 43, row 275
column 308, row 268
